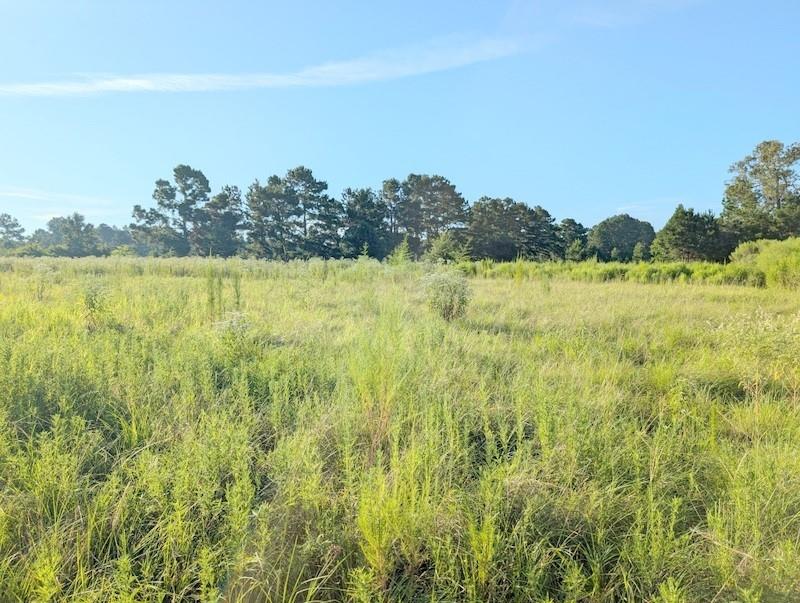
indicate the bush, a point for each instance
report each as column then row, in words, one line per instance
column 746, row 253
column 123, row 251
column 779, row 261
column 448, row 294
column 785, row 272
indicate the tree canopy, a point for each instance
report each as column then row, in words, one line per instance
column 689, row 235
column 615, row 238
column 762, row 200
column 294, row 216
column 11, row 232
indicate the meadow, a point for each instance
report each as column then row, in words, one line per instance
column 241, row 430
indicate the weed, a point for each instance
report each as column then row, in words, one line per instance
column 448, row 294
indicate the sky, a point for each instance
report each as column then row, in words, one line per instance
column 588, row 108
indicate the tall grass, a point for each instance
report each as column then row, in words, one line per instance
column 756, row 264
column 207, row 430
column 643, row 272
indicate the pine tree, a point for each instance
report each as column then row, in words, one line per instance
column 689, row 236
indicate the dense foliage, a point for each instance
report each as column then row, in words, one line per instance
column 293, row 217
column 195, row 429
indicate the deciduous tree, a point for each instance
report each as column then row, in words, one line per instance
column 615, row 238
column 763, row 198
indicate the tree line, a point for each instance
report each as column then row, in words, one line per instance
column 293, row 216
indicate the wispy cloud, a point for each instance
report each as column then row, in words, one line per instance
column 522, row 17
column 389, row 65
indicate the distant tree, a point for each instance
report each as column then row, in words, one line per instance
column 12, row 234
column 423, row 207
column 788, row 218
column 540, row 233
column 571, row 236
column 744, row 215
column 219, row 223
column 615, row 238
column 405, row 213
column 30, row 248
column 640, row 252
column 70, row 236
column 193, row 190
column 690, row 235
column 441, row 206
column 763, row 198
column 364, row 223
column 320, row 214
column 391, row 197
column 493, row 230
column 504, row 229
column 274, row 227
column 174, row 226
column 152, row 231
column 575, row 252
column 324, row 236
column 113, row 236
column 772, row 171
column 41, row 237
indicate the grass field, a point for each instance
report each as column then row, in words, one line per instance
column 201, row 430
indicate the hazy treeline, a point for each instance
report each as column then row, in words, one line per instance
column 292, row 216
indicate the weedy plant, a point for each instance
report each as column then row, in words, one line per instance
column 448, row 294
column 214, row 301
column 332, row 440
column 93, row 305
column 236, row 277
column 42, row 275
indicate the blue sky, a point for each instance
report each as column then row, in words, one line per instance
column 587, row 108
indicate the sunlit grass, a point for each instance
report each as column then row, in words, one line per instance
column 193, row 429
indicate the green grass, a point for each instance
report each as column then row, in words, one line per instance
column 748, row 274
column 247, row 431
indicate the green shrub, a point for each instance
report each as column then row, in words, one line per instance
column 779, row 261
column 123, row 251
column 785, row 272
column 746, row 253
column 448, row 294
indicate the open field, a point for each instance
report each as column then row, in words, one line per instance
column 202, row 430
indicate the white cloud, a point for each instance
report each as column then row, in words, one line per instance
column 430, row 58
